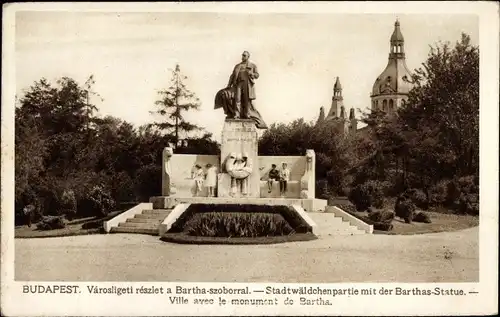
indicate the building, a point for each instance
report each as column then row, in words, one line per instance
column 337, row 113
column 391, row 87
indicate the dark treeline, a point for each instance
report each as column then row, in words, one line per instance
column 430, row 147
column 68, row 158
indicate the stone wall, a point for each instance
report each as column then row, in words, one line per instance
column 181, row 167
column 296, row 165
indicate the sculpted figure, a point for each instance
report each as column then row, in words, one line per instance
column 305, row 181
column 237, row 98
column 169, row 186
column 239, row 167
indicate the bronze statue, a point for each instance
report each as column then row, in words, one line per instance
column 237, row 98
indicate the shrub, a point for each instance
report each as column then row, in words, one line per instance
column 370, row 193
column 68, row 204
column 148, row 182
column 404, row 208
column 51, row 223
column 438, row 193
column 383, row 216
column 100, row 201
column 322, row 190
column 94, row 224
column 383, row 226
column 468, row 204
column 347, row 207
column 218, row 224
column 460, row 194
column 122, row 187
column 418, row 197
column 463, row 193
column 422, row 217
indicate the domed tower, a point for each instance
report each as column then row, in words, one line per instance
column 391, row 88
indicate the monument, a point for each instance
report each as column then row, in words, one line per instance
column 241, row 177
column 242, row 174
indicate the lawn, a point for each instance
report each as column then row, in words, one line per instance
column 440, row 222
column 73, row 228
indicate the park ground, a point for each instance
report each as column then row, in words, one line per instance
column 430, row 257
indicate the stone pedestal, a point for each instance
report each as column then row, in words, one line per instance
column 239, row 137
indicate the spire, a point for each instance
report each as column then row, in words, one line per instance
column 321, row 117
column 337, row 88
column 342, row 112
column 397, row 42
column 351, row 114
column 397, row 36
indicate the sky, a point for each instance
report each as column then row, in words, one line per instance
column 298, row 56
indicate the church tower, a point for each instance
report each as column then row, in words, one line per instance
column 391, row 88
column 337, row 101
column 337, row 116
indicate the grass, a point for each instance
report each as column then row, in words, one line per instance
column 440, row 222
column 73, row 228
column 25, row 232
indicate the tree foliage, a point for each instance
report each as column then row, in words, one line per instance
column 432, row 141
column 173, row 103
column 434, row 136
column 62, row 146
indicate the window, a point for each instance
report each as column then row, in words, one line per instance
column 384, row 105
column 391, row 105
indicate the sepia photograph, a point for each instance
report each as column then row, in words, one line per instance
column 246, row 147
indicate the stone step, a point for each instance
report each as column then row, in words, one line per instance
column 145, row 220
column 139, row 225
column 342, row 233
column 135, row 230
column 157, row 211
column 150, row 216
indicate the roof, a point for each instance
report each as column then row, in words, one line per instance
column 397, row 36
column 393, row 79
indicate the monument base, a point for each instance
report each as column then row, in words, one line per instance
column 239, row 158
column 310, row 205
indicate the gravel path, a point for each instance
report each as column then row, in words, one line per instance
column 438, row 257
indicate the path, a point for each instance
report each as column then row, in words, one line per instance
column 438, row 257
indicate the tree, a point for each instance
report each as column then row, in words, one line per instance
column 333, row 150
column 174, row 101
column 445, row 101
column 434, row 136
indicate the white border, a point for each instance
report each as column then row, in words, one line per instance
column 484, row 303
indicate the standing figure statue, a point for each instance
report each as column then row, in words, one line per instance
column 237, row 98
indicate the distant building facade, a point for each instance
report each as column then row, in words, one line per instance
column 390, row 89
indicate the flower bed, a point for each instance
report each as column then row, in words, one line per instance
column 239, row 224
